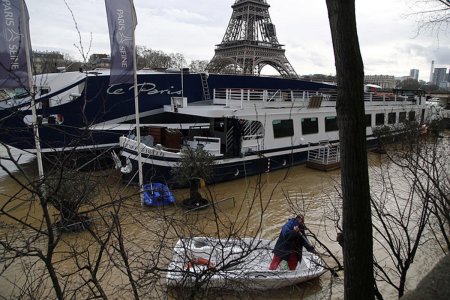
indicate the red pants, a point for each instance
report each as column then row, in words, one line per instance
column 292, row 262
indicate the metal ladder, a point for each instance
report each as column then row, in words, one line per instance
column 206, row 95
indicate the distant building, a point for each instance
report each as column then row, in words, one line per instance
column 385, row 81
column 444, row 85
column 100, row 60
column 439, row 75
column 448, row 75
column 47, row 62
column 414, row 74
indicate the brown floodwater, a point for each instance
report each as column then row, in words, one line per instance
column 256, row 206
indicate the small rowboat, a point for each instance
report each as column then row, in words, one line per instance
column 235, row 264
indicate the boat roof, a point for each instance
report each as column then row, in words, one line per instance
column 210, row 110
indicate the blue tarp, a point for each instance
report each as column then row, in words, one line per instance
column 157, row 194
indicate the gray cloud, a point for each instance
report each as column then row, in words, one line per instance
column 440, row 54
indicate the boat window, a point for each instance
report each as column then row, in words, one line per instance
column 44, row 90
column 17, row 93
column 402, row 117
column 392, row 117
column 20, row 93
column 368, row 120
column 310, row 125
column 412, row 116
column 283, row 128
column 379, row 119
column 331, row 124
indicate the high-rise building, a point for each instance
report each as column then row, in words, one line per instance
column 431, row 72
column 414, row 73
column 439, row 75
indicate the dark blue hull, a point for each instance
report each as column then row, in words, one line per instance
column 221, row 172
column 103, row 104
column 238, row 168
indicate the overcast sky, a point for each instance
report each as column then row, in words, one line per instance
column 387, row 32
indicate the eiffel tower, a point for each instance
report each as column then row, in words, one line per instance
column 250, row 43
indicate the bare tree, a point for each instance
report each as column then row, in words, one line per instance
column 67, row 191
column 80, row 45
column 400, row 219
column 198, row 65
column 433, row 15
column 409, row 201
column 410, row 83
column 28, row 242
column 155, row 59
column 177, row 60
column 424, row 161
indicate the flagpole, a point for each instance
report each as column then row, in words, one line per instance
column 32, row 92
column 138, row 125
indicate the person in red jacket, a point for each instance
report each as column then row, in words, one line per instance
column 290, row 243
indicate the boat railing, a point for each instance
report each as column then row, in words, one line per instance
column 273, row 96
column 391, row 98
column 325, row 154
column 301, row 98
column 252, row 136
column 270, row 98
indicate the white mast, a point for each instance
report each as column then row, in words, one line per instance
column 32, row 91
column 138, row 125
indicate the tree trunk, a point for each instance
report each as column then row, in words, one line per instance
column 357, row 223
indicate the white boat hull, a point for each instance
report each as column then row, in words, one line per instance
column 235, row 264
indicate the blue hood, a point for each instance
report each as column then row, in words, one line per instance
column 290, row 224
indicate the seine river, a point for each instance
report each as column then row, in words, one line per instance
column 275, row 197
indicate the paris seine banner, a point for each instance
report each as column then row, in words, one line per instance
column 14, row 35
column 121, row 23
